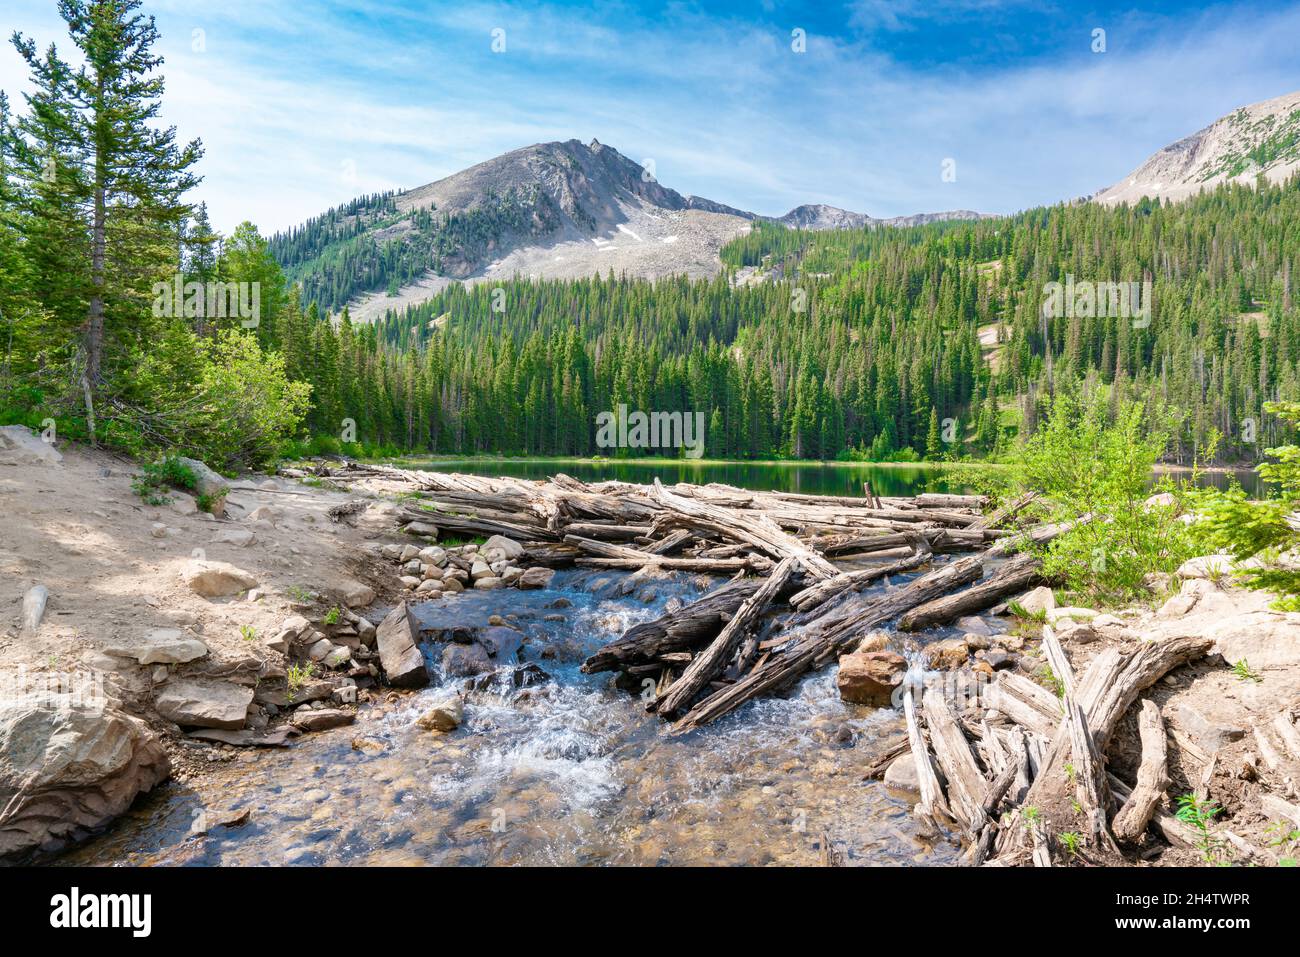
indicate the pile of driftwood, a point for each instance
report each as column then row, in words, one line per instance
column 799, row 565
column 1019, row 771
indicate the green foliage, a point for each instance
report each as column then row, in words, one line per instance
column 155, row 478
column 1088, row 459
column 248, row 632
column 332, row 616
column 1071, row 841
column 1198, row 813
column 298, row 675
column 1243, row 672
column 1230, row 522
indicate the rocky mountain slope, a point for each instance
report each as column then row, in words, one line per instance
column 563, row 210
column 1260, row 139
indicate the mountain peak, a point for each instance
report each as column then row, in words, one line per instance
column 1260, row 139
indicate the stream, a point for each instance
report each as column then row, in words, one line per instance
column 571, row 771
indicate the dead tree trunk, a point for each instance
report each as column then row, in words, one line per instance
column 1152, row 777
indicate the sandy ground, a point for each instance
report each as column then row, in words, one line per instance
column 80, row 530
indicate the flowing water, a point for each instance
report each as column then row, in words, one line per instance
column 570, row 771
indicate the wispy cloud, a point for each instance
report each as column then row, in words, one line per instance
column 305, row 104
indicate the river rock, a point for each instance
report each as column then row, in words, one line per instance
column 423, row 529
column 19, row 445
column 1037, row 601
column 309, row 719
column 1073, row 613
column 445, row 715
column 161, row 646
column 195, row 704
column 870, row 677
column 69, row 767
column 217, row 579
column 508, row 547
column 433, row 555
column 352, row 594
column 947, row 655
column 399, row 650
column 536, row 577
column 490, row 583
column 901, row 774
column 459, row 661
column 479, row 570
column 500, row 642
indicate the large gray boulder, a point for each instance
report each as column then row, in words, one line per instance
column 19, row 445
column 399, row 650
column 205, row 704
column 208, row 482
column 68, row 767
column 161, row 646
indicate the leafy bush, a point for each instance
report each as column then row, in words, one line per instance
column 156, row 478
column 1086, row 460
column 1230, row 522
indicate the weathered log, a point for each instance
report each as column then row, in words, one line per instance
column 608, row 532
column 932, row 799
column 823, row 591
column 1152, row 776
column 823, row 639
column 757, row 530
column 1013, row 577
column 1093, row 792
column 966, row 784
column 711, row 566
column 1029, row 705
column 1006, row 512
column 687, row 627
column 670, row 543
column 939, row 500
column 711, row 660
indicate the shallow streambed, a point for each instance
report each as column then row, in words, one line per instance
column 572, row 771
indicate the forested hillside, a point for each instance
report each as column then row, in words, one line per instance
column 861, row 342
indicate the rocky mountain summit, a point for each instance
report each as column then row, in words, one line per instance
column 1262, row 139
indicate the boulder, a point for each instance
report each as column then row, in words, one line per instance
column 536, row 577
column 423, row 529
column 1038, row 600
column 873, row 641
column 321, row 719
column 352, row 594
column 161, row 646
column 870, row 677
column 508, row 547
column 1206, row 566
column 1073, row 613
column 445, row 715
column 501, row 643
column 68, row 767
column 490, row 583
column 433, row 555
column 901, row 774
column 19, row 445
column 459, row 661
column 972, row 625
column 399, row 650
column 264, row 513
column 239, row 537
column 183, row 504
column 1162, row 500
column 205, row 704
column 479, row 570
column 947, row 655
column 217, row 579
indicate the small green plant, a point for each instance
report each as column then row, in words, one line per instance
column 1069, row 773
column 1054, row 682
column 1071, row 841
column 299, row 595
column 332, row 616
column 298, row 676
column 205, row 502
column 155, row 479
column 1243, row 672
column 1020, row 611
column 1031, row 815
column 1198, row 813
column 1287, row 839
column 248, row 631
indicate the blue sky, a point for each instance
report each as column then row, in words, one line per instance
column 307, row 103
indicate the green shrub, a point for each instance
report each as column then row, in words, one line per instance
column 1230, row 522
column 156, row 478
column 1087, row 460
